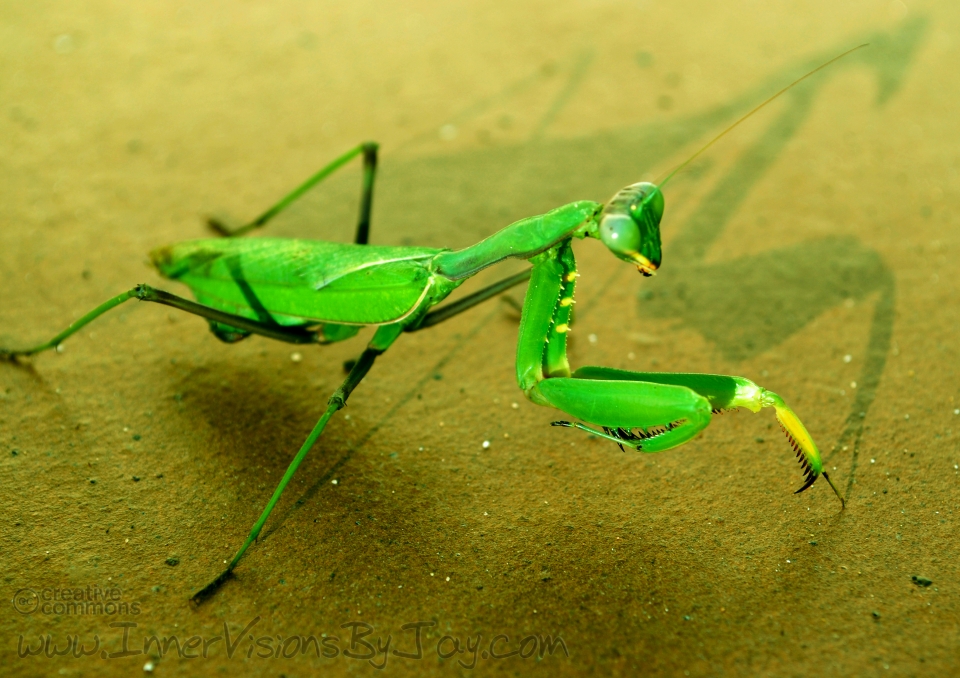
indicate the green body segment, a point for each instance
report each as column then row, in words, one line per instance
column 721, row 391
column 625, row 404
column 539, row 308
column 330, row 333
column 555, row 363
column 658, row 416
column 522, row 239
column 304, row 282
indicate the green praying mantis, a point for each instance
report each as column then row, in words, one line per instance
column 314, row 292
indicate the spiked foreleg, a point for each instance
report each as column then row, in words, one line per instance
column 541, row 347
column 664, row 416
column 723, row 393
column 646, row 417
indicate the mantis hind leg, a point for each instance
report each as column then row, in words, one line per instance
column 242, row 326
column 74, row 327
column 368, row 149
column 293, row 335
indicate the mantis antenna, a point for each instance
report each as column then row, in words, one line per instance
column 724, row 132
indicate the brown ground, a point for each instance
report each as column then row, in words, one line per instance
column 822, row 228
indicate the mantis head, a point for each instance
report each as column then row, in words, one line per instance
column 630, row 226
column 630, row 222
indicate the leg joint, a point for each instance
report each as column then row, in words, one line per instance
column 144, row 292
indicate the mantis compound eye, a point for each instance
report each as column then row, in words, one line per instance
column 630, row 226
column 619, row 233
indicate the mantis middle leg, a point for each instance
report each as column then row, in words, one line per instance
column 381, row 341
column 647, row 411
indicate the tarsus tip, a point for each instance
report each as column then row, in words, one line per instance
column 207, row 591
column 843, row 504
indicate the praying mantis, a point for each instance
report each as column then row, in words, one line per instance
column 315, row 292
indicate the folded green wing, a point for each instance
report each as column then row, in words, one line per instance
column 296, row 282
